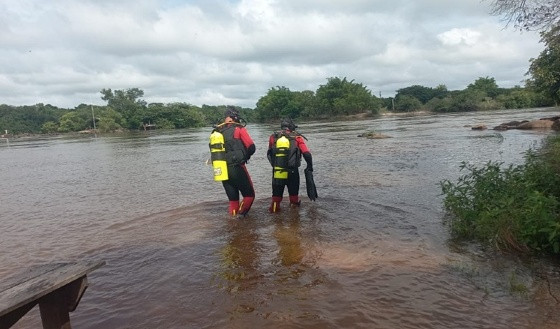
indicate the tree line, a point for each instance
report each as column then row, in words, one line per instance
column 126, row 109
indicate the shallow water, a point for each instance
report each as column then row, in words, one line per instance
column 371, row 252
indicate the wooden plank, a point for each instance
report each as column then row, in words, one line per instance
column 39, row 282
column 28, row 274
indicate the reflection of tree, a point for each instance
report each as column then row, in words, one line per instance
column 240, row 258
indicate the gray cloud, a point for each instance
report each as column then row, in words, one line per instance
column 64, row 52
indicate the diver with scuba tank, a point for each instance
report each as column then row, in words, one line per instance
column 285, row 150
column 231, row 147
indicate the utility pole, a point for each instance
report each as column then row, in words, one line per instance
column 93, row 116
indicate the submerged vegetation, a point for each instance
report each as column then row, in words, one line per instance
column 515, row 208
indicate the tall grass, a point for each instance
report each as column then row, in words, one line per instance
column 509, row 207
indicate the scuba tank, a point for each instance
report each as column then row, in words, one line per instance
column 218, row 156
column 281, row 158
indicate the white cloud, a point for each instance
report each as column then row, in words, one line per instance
column 396, row 54
column 457, row 36
column 64, row 52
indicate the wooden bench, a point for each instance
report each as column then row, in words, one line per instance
column 57, row 288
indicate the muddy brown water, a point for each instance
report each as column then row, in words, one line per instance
column 371, row 252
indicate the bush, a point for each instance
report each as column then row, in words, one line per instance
column 407, row 103
column 514, row 208
column 164, row 124
column 489, row 104
column 108, row 124
column 467, row 100
column 439, row 104
column 72, row 121
column 49, row 127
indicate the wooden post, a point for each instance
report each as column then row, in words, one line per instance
column 57, row 288
column 54, row 311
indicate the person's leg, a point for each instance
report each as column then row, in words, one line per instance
column 233, row 196
column 277, row 192
column 293, row 188
column 245, row 185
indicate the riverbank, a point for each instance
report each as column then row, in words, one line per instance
column 511, row 208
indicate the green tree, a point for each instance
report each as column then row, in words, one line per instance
column 181, row 115
column 545, row 69
column 107, row 124
column 120, row 98
column 518, row 98
column 441, row 105
column 163, row 123
column 72, row 121
column 109, row 120
column 49, row 127
column 440, row 91
column 307, row 102
column 486, row 85
column 421, row 93
column 29, row 118
column 343, row 97
column 277, row 103
column 490, row 104
column 328, row 93
column 129, row 104
column 212, row 114
column 407, row 103
column 467, row 100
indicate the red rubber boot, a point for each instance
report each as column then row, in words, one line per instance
column 245, row 205
column 275, row 205
column 233, row 207
column 294, row 201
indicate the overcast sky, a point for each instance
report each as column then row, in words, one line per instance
column 217, row 52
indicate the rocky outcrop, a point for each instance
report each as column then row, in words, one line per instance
column 536, row 124
column 479, row 127
column 372, row 135
column 544, row 123
column 509, row 125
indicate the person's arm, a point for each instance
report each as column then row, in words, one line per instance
column 305, row 152
column 269, row 151
column 247, row 142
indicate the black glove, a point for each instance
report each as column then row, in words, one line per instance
column 309, row 159
column 250, row 151
column 269, row 156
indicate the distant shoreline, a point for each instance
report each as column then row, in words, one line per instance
column 366, row 115
column 405, row 114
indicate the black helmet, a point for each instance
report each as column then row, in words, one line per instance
column 232, row 112
column 288, row 123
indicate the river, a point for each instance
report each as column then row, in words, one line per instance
column 372, row 252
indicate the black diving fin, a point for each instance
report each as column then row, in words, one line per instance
column 310, row 184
